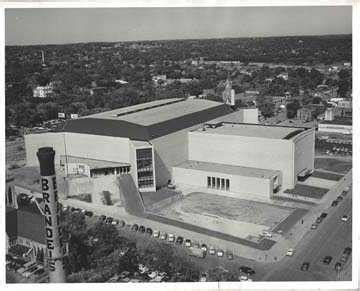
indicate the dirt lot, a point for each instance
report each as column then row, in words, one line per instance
column 333, row 165
column 15, row 153
column 231, row 208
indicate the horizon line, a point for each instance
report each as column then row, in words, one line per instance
column 179, row 39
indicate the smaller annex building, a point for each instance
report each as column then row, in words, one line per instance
column 246, row 158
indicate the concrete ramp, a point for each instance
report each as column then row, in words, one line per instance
column 133, row 201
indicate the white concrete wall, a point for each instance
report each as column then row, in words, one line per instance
column 170, row 150
column 249, row 115
column 238, row 184
column 107, row 148
column 304, row 152
column 48, row 139
column 264, row 153
column 115, row 149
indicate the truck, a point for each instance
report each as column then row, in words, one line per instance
column 196, row 252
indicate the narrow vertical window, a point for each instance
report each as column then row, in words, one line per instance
column 213, row 183
column 217, row 183
column 208, row 182
column 227, row 185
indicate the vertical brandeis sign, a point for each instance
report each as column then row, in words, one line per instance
column 53, row 233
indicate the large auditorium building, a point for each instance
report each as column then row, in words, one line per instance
column 186, row 142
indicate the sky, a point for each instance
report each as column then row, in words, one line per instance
column 26, row 26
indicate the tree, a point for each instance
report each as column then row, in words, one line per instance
column 266, row 106
column 292, row 108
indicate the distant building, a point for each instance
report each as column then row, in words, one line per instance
column 304, row 114
column 228, row 94
column 329, row 114
column 25, row 224
column 249, row 115
column 345, row 103
column 43, row 91
column 339, row 125
column 284, row 76
column 159, row 79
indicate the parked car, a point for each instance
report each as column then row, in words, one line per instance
column 163, row 236
column 305, row 266
column 318, row 220
column 345, row 218
column 149, row 231
column 327, row 260
column 314, row 226
column 203, row 277
column 108, row 220
column 344, row 258
column 179, row 240
column 334, row 203
column 188, row 243
column 142, row 229
column 339, row 198
column 338, row 266
column 102, row 218
column 135, row 227
column 347, row 250
column 89, row 213
column 204, row 247
column 171, row 238
column 267, row 233
column 115, row 222
column 290, row 252
column 220, row 253
column 212, row 251
column 122, row 223
column 156, row 234
column 323, row 215
column 247, row 270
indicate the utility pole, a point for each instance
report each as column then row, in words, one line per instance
column 53, row 232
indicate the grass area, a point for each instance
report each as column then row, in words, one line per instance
column 150, row 198
column 15, row 152
column 307, row 191
column 327, row 176
column 333, row 165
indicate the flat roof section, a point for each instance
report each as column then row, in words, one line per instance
column 92, row 163
column 254, row 130
column 229, row 169
column 114, row 114
column 157, row 111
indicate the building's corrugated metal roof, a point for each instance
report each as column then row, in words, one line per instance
column 25, row 223
column 31, row 225
column 11, row 222
column 122, row 128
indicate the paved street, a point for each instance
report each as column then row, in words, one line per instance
column 330, row 238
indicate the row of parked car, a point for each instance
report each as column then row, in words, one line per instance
column 195, row 248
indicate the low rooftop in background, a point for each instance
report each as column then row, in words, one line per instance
column 157, row 111
column 253, row 130
column 228, row 169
